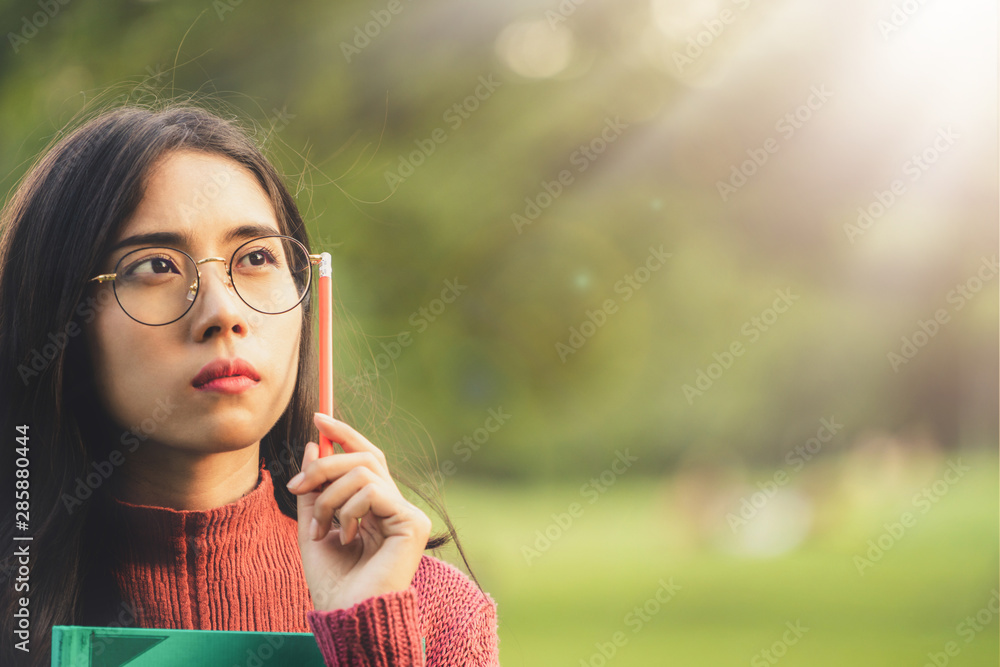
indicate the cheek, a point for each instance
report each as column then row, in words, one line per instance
column 286, row 352
column 119, row 355
column 292, row 334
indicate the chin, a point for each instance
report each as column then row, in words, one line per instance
column 225, row 436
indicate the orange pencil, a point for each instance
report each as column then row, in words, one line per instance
column 325, row 346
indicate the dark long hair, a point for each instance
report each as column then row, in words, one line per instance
column 56, row 227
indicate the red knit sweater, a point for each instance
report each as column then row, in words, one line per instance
column 238, row 567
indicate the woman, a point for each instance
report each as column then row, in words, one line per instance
column 155, row 332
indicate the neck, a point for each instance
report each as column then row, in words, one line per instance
column 183, row 480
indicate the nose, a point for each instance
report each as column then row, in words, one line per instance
column 221, row 308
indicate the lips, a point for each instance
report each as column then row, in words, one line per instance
column 225, row 368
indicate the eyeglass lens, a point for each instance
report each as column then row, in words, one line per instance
column 158, row 285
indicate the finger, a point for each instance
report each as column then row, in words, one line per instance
column 393, row 513
column 330, row 468
column 354, row 509
column 346, row 436
column 305, row 502
column 338, row 493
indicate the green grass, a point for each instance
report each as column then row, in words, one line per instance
column 578, row 593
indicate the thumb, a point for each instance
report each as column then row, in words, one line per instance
column 306, row 501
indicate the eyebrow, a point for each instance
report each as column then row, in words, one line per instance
column 248, row 231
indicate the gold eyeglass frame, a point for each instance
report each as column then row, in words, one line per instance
column 196, row 285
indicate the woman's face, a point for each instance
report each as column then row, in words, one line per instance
column 144, row 374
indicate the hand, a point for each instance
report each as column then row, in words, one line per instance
column 382, row 536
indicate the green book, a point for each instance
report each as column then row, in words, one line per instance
column 79, row 646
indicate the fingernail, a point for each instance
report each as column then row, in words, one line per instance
column 314, row 529
column 343, row 535
column 324, row 416
column 295, row 481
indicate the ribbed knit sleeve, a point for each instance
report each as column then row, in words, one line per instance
column 382, row 631
column 477, row 646
column 441, row 620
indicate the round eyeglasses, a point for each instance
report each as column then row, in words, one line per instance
column 158, row 285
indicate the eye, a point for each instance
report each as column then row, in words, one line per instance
column 257, row 258
column 150, row 265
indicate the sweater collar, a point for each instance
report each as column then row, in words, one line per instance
column 234, row 567
column 232, row 522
